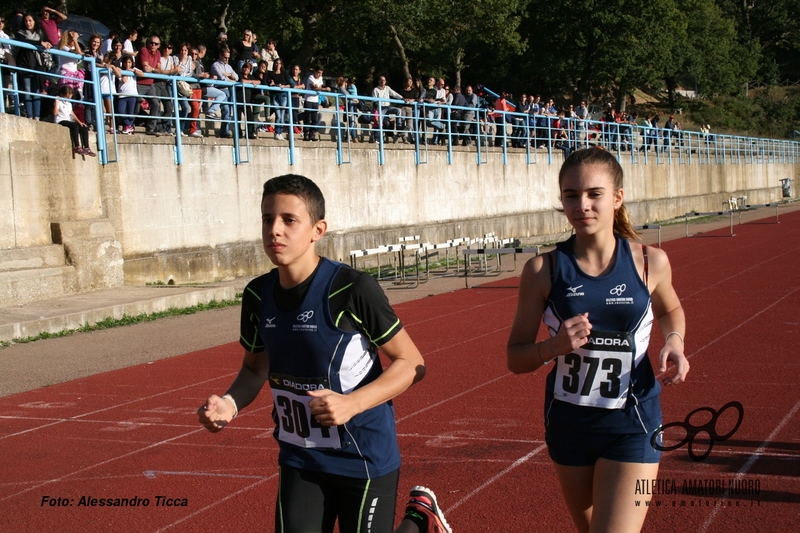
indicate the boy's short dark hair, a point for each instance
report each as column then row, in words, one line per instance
column 301, row 187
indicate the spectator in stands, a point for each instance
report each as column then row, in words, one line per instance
column 246, row 51
column 108, row 87
column 244, row 100
column 117, row 53
column 279, row 79
column 105, row 48
column 384, row 92
column 49, row 23
column 655, row 133
column 68, row 66
column 502, row 109
column 354, row 107
column 6, row 58
column 468, row 117
column 222, row 42
column 668, row 127
column 17, row 21
column 270, row 54
column 457, row 115
column 410, row 94
column 222, row 70
column 127, row 93
column 65, row 116
column 262, row 97
column 314, row 82
column 92, row 55
column 561, row 135
column 167, row 65
column 297, row 82
column 200, row 91
column 129, row 46
column 30, row 83
column 148, row 61
column 185, row 65
column 345, row 119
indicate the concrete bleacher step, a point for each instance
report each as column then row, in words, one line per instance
column 34, row 274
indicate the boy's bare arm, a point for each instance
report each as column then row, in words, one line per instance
column 218, row 411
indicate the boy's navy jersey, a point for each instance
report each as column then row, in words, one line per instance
column 323, row 334
column 608, row 384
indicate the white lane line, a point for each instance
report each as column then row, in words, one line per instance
column 522, row 460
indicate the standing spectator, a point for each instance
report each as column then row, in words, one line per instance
column 168, row 65
column 68, row 66
column 185, row 65
column 105, row 48
column 244, row 99
column 221, row 70
column 50, row 20
column 31, row 83
column 127, row 94
column 148, row 60
column 246, row 51
column 65, row 116
column 314, row 82
column 279, row 79
column 116, row 52
column 668, row 127
column 129, row 46
column 91, row 56
column 108, row 85
column 270, row 55
column 502, row 107
column 384, row 92
column 468, row 117
column 410, row 94
column 222, row 42
column 6, row 58
column 457, row 115
column 296, row 82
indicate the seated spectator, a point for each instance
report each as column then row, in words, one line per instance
column 209, row 91
column 127, row 94
column 222, row 70
column 30, row 82
column 78, row 130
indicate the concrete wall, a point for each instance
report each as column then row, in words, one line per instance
column 200, row 221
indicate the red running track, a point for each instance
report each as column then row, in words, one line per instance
column 471, row 430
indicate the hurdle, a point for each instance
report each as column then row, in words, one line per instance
column 707, row 214
column 451, row 245
column 398, row 254
column 643, row 227
column 499, row 252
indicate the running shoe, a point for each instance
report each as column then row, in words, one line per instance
column 88, row 151
column 422, row 501
column 211, row 115
column 196, row 133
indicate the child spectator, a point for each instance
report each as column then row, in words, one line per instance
column 126, row 96
column 78, row 130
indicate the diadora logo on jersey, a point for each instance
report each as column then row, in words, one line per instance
column 289, row 384
column 573, row 291
column 304, row 317
column 606, row 341
column 269, row 322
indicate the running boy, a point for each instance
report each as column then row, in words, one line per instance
column 312, row 327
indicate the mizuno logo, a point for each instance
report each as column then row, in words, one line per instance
column 270, row 320
column 573, row 291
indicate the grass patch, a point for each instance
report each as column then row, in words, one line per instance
column 126, row 320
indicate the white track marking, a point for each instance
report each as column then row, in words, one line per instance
column 218, row 502
column 522, row 460
column 750, row 462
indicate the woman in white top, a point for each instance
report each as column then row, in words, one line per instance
column 126, row 94
column 68, row 66
column 65, row 116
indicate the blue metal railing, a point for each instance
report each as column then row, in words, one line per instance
column 420, row 125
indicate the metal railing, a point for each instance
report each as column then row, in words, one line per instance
column 347, row 120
